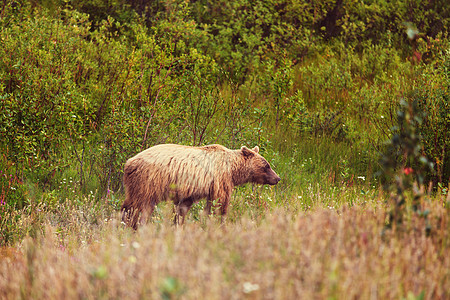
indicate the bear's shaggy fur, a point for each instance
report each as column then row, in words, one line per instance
column 187, row 174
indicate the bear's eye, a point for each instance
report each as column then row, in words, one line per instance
column 267, row 167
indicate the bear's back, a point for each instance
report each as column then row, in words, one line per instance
column 181, row 160
column 165, row 152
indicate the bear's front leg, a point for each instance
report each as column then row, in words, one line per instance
column 182, row 208
column 219, row 201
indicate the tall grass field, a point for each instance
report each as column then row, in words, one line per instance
column 322, row 253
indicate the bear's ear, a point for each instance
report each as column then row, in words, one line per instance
column 246, row 152
column 256, row 149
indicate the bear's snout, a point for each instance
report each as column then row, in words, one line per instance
column 273, row 178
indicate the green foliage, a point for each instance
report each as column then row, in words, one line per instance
column 171, row 288
column 279, row 81
column 243, row 34
column 68, row 90
column 42, row 102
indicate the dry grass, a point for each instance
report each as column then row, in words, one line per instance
column 322, row 254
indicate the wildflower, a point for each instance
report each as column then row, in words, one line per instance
column 407, row 171
column 135, row 245
column 362, row 178
column 250, row 287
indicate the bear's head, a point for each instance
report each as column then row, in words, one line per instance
column 259, row 170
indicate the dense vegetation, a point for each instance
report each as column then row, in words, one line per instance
column 348, row 100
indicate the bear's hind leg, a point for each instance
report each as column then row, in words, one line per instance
column 130, row 216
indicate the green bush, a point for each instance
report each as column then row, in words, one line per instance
column 66, row 89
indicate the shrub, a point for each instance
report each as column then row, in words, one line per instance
column 404, row 165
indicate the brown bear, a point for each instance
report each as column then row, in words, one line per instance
column 186, row 175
